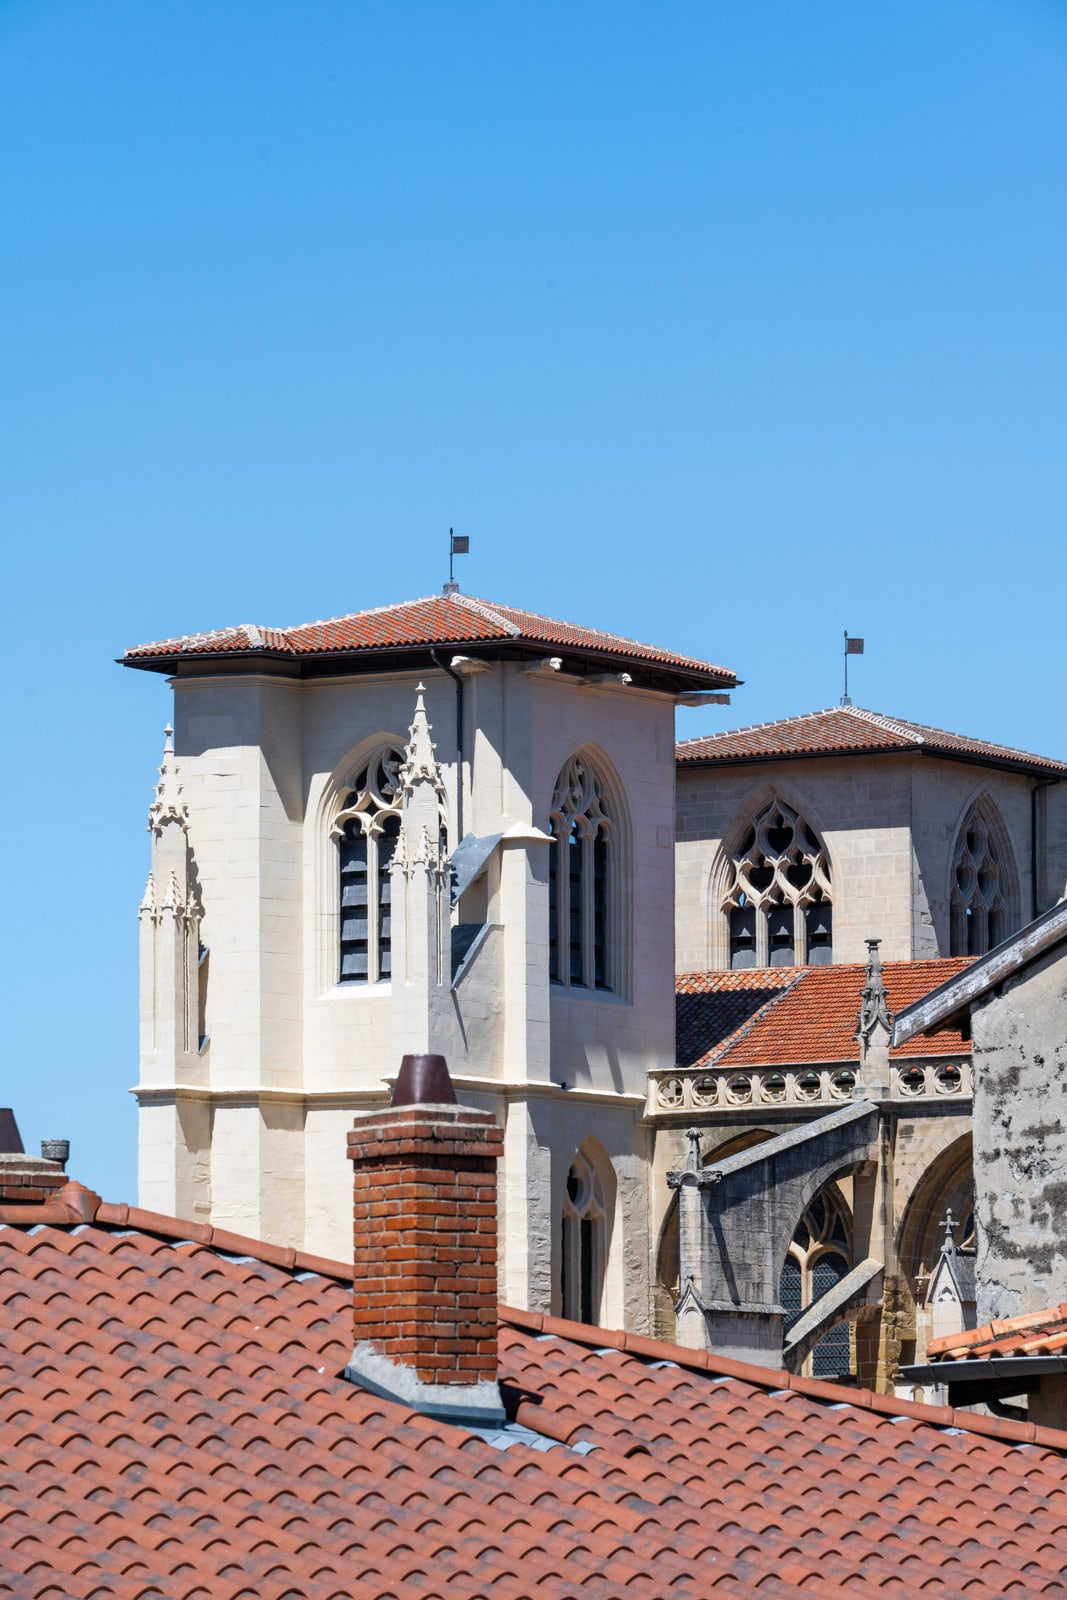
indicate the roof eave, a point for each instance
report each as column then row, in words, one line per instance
column 1005, row 763
column 662, row 676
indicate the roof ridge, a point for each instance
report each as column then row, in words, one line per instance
column 878, row 719
column 717, row 1052
column 484, row 609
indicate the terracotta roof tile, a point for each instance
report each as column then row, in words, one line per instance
column 1031, row 1333
column 175, row 1423
column 785, row 1016
column 850, row 730
column 435, row 620
column 707, row 1014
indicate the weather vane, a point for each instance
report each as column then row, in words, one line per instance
column 458, row 545
column 853, row 647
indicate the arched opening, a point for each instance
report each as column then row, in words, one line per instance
column 586, row 880
column 819, row 1256
column 587, row 1222
column 773, row 888
column 947, row 1184
column 984, row 888
column 366, row 827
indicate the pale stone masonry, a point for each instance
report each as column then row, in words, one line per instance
column 244, row 1126
column 449, row 828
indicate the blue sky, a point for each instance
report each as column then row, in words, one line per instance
column 727, row 327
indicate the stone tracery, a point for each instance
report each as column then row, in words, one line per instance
column 579, row 887
column 778, row 901
column 367, row 828
column 982, row 891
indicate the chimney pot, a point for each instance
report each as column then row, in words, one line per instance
column 423, row 1081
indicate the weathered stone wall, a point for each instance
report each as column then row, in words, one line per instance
column 1020, row 1140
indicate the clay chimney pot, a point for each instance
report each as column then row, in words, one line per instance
column 423, row 1081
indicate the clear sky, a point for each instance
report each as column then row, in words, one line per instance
column 724, row 326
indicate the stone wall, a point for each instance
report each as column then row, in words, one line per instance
column 1020, row 1140
column 890, row 825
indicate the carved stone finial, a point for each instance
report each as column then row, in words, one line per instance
column 692, row 1162
column 420, row 763
column 874, row 1006
column 949, row 1226
column 148, row 902
column 172, row 899
column 168, row 805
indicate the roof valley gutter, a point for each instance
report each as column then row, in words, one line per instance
column 458, row 681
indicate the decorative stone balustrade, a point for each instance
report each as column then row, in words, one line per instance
column 692, row 1089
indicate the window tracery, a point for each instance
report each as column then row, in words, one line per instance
column 818, row 1258
column 778, row 901
column 367, row 828
column 982, row 894
column 582, row 1260
column 580, row 879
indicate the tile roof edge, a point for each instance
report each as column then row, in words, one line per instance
column 638, row 1344
column 205, row 1233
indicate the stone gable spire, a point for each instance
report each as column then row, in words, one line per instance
column 874, row 1005
column 168, row 805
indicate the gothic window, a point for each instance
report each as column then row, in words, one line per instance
column 580, row 884
column 366, row 829
column 818, row 1259
column 582, row 1259
column 983, row 884
column 777, row 900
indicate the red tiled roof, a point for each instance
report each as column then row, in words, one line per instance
column 706, row 1014
column 809, row 1015
column 436, row 620
column 175, row 1424
column 849, row 730
column 1031, row 1333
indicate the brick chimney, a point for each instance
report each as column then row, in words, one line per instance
column 425, row 1229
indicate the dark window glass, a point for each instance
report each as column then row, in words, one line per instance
column 574, row 858
column 780, row 936
column 819, row 920
column 588, row 1310
column 600, row 911
column 743, row 937
column 354, row 908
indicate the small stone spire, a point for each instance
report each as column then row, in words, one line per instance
column 874, row 1006
column 148, row 903
column 420, row 759
column 168, row 805
column 693, row 1162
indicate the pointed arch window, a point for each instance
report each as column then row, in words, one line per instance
column 778, row 900
column 818, row 1258
column 984, row 891
column 581, row 880
column 582, row 1260
column 366, row 829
